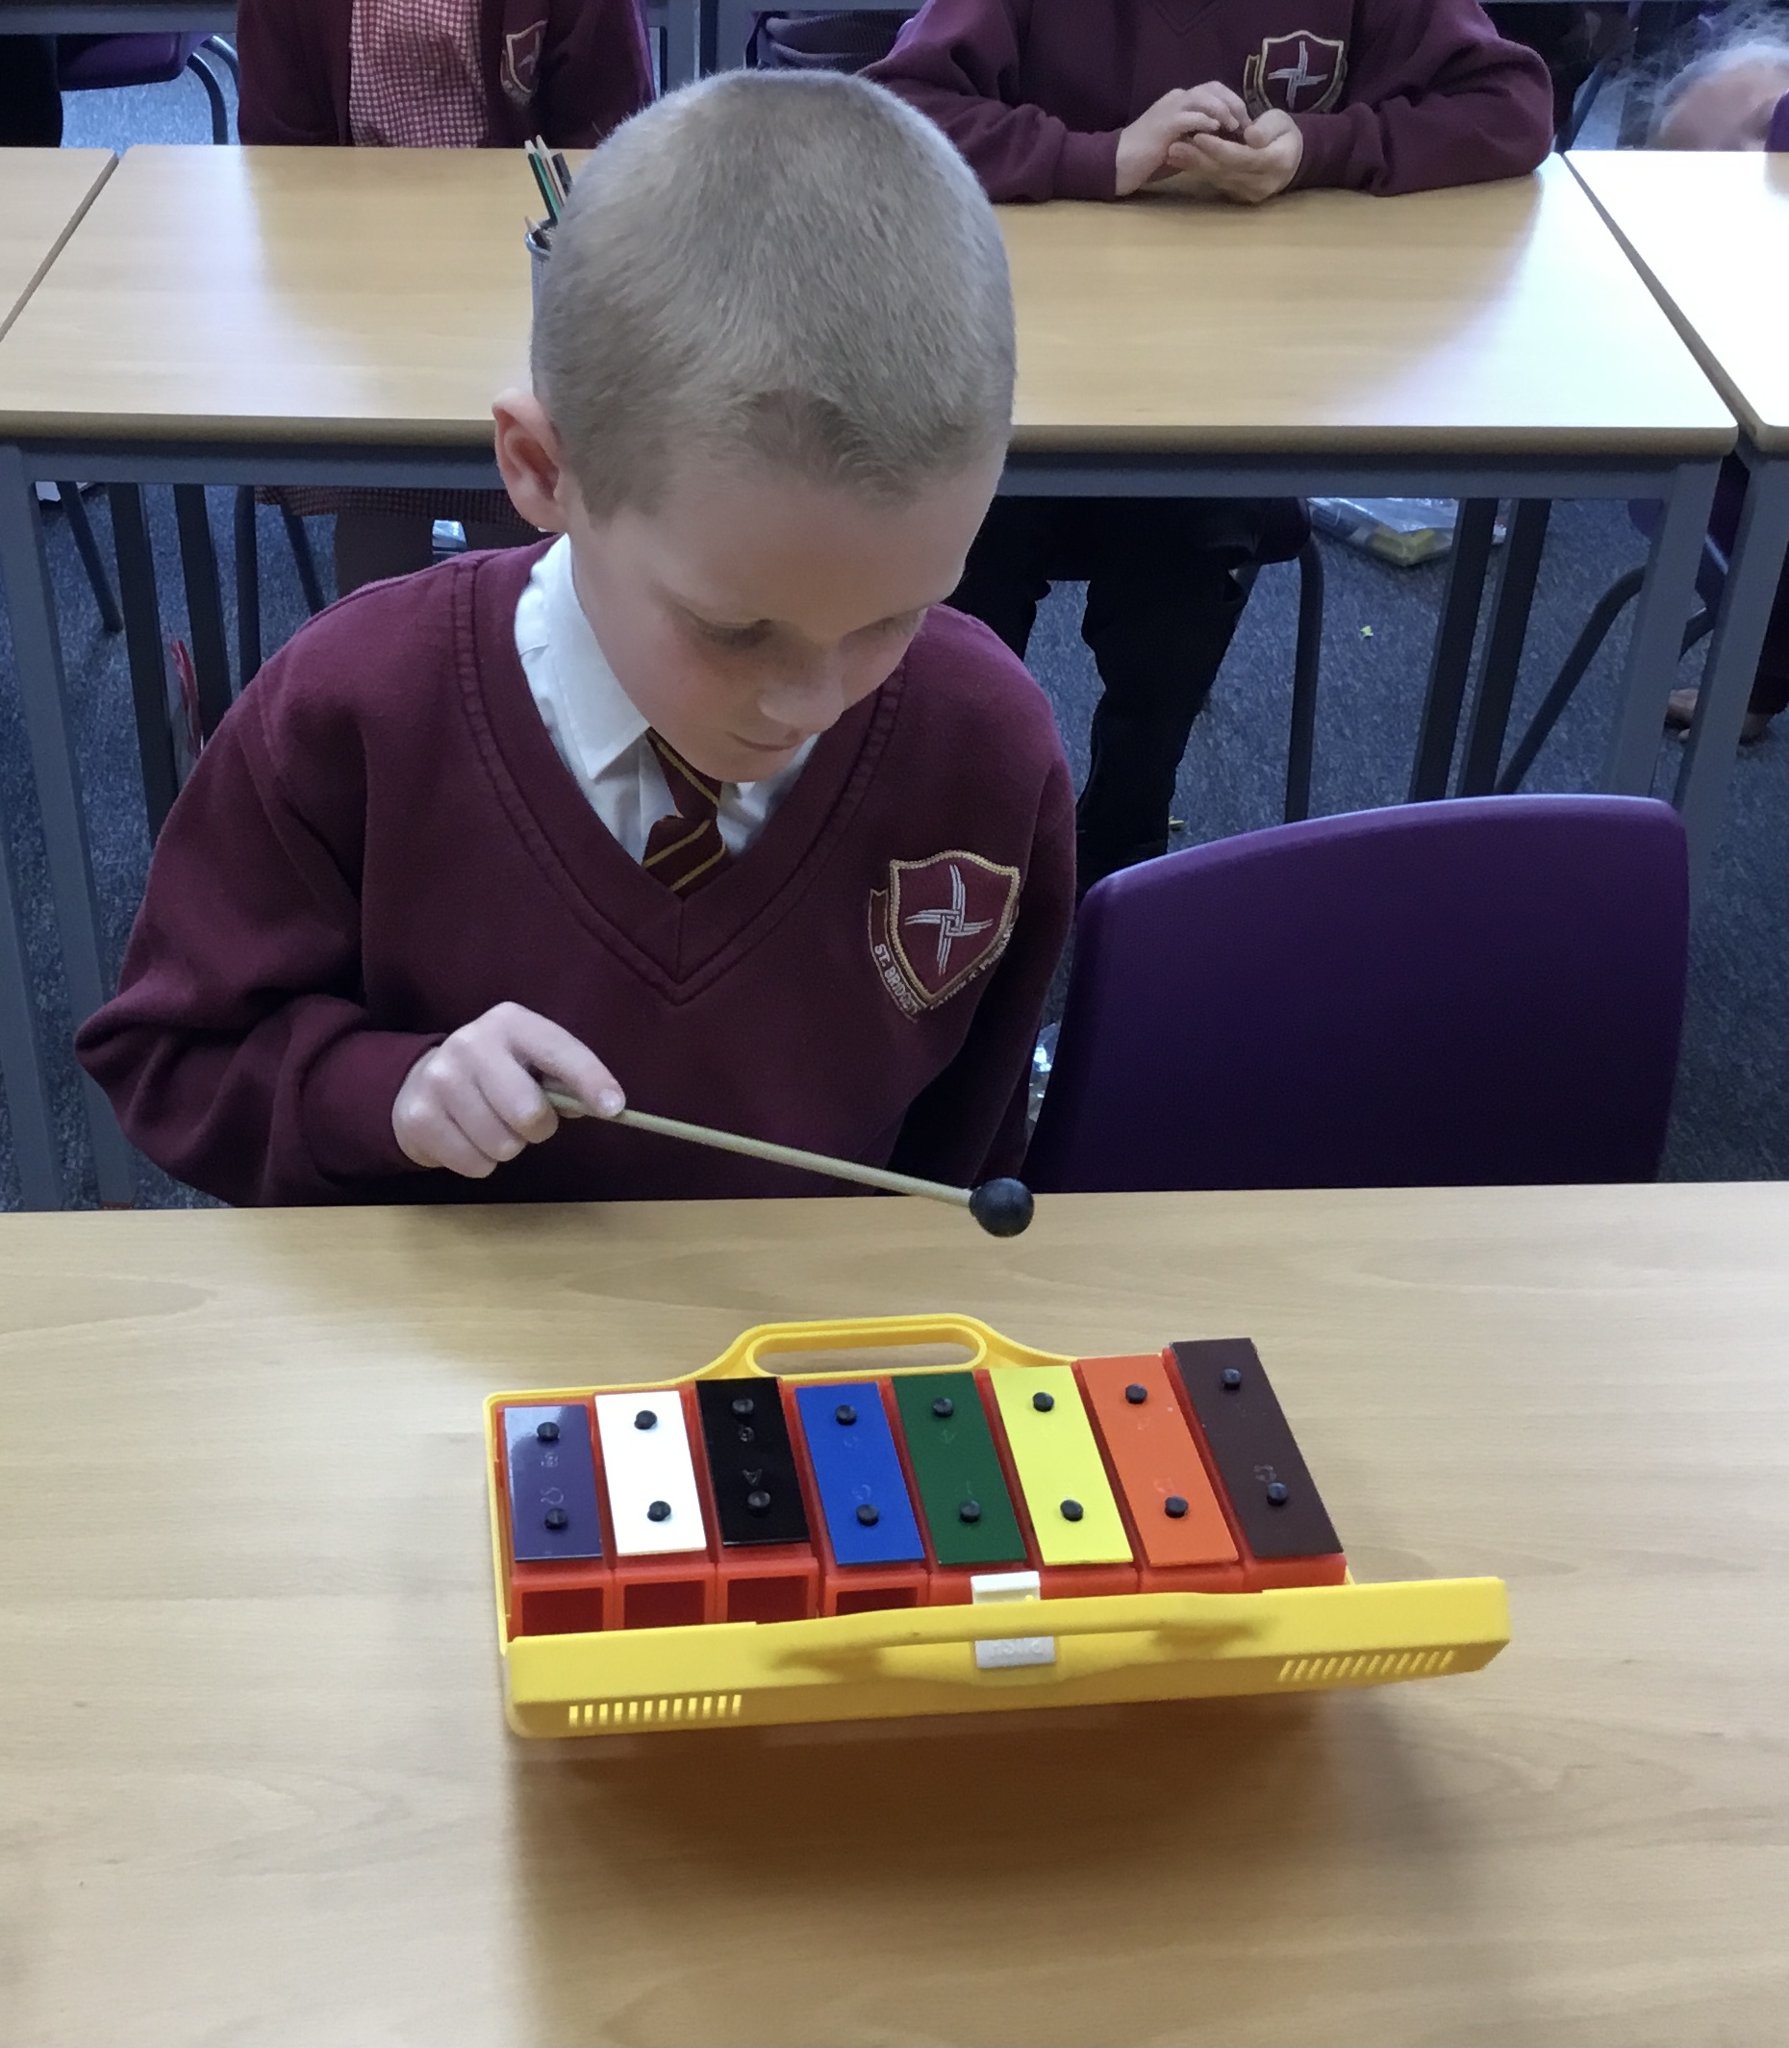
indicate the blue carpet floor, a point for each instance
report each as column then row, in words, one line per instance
column 1732, row 1117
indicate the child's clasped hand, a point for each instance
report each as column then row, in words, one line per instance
column 1258, row 166
column 1204, row 140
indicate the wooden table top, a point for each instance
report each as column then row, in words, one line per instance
column 382, row 296
column 255, row 1785
column 1708, row 232
column 1496, row 319
column 275, row 294
column 43, row 193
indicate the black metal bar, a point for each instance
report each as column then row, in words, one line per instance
column 1609, row 607
column 1503, row 649
column 143, row 642
column 248, row 586
column 99, row 578
column 1306, row 675
column 204, row 605
column 1452, row 657
column 37, row 648
column 305, row 559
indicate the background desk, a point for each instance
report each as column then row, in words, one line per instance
column 1708, row 233
column 256, row 1786
column 43, row 193
column 1486, row 343
column 308, row 316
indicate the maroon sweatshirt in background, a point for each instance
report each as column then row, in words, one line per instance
column 567, row 70
column 381, row 843
column 1390, row 95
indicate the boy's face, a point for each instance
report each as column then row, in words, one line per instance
column 749, row 610
column 1731, row 110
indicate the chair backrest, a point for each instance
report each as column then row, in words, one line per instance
column 100, row 63
column 1473, row 993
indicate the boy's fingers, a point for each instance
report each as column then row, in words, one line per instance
column 573, row 1068
column 1231, row 110
column 1218, row 155
column 480, row 1123
column 455, row 1151
column 516, row 1100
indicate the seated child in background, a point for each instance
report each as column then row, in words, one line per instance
column 1736, row 96
column 1237, row 100
column 433, row 74
column 707, row 799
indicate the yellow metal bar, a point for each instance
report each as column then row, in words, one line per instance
column 1060, row 1470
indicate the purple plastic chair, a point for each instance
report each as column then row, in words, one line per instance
column 1484, row 992
column 102, row 63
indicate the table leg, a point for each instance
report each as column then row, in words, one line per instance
column 204, row 605
column 37, row 653
column 1756, row 569
column 683, row 43
column 1667, row 598
column 21, row 1056
column 143, row 640
column 1452, row 658
column 732, row 30
column 1503, row 651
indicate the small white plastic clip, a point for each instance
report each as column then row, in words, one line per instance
column 1009, row 1653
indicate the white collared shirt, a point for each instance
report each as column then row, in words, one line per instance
column 596, row 729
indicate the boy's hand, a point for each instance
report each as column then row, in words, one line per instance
column 476, row 1101
column 1258, row 167
column 1144, row 147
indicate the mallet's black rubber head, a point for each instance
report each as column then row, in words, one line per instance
column 1002, row 1207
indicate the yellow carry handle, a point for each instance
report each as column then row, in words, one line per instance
column 873, row 1333
column 1110, row 1614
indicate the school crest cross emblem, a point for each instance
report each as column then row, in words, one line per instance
column 1299, row 74
column 940, row 923
column 521, row 63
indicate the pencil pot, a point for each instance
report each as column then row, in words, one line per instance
column 538, row 252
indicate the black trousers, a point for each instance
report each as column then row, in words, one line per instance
column 1165, row 590
column 30, row 105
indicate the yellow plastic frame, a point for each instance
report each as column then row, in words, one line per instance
column 883, row 1665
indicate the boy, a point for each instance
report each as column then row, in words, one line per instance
column 1234, row 100
column 698, row 801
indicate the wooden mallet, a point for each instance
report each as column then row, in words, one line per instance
column 1002, row 1207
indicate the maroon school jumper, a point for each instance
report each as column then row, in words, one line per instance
column 380, row 844
column 568, row 70
column 1390, row 95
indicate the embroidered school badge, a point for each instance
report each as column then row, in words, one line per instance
column 1299, row 74
column 940, row 923
column 521, row 62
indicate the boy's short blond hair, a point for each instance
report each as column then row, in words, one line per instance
column 788, row 268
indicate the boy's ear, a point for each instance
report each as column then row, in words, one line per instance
column 540, row 487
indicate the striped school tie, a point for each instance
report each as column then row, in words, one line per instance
column 686, row 851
